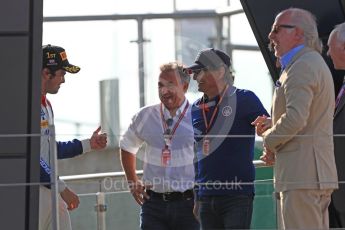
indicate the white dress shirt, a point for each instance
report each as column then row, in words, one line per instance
column 147, row 128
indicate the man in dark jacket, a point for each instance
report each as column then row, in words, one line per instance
column 336, row 44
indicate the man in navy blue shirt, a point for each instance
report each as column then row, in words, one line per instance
column 224, row 144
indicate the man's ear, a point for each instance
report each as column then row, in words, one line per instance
column 221, row 72
column 46, row 74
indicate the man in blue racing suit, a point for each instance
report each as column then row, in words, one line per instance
column 55, row 66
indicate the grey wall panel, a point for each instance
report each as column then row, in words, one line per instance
column 14, row 16
column 12, row 198
column 20, row 67
column 14, row 93
column 261, row 15
column 34, row 120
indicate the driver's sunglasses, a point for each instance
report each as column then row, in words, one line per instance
column 276, row 28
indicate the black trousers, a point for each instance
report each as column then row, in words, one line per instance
column 336, row 218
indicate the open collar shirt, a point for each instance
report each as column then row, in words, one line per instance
column 146, row 129
column 286, row 58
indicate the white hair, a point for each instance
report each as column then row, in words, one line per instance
column 340, row 32
column 307, row 22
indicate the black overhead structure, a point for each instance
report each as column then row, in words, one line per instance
column 261, row 15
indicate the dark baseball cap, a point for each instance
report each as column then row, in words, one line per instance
column 55, row 58
column 210, row 58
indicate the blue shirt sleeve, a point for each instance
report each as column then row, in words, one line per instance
column 44, row 177
column 69, row 149
column 254, row 107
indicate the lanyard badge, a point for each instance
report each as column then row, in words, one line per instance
column 168, row 135
column 206, row 146
column 166, row 153
column 166, row 157
column 206, row 141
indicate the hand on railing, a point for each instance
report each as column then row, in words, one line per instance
column 70, row 198
column 262, row 123
column 137, row 190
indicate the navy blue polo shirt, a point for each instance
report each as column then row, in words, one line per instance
column 229, row 162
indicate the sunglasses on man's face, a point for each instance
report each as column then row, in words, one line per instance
column 194, row 72
column 275, row 29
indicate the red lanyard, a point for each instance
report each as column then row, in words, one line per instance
column 44, row 101
column 165, row 126
column 47, row 106
column 208, row 125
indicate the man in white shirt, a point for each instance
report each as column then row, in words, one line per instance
column 165, row 191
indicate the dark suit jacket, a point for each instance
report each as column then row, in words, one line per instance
column 338, row 196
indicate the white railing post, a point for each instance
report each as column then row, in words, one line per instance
column 53, row 178
column 101, row 209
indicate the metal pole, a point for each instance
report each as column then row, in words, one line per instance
column 101, row 209
column 219, row 27
column 53, row 178
column 141, row 66
column 141, row 62
column 229, row 48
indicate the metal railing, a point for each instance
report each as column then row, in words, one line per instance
column 257, row 164
column 101, row 206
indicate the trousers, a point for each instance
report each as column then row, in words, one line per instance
column 45, row 211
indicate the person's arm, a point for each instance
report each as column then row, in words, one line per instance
column 137, row 188
column 128, row 161
column 196, row 186
column 268, row 157
column 196, row 210
column 257, row 114
column 262, row 123
column 97, row 140
column 69, row 149
column 298, row 91
column 45, row 174
column 129, row 145
column 76, row 147
column 70, row 198
column 254, row 107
